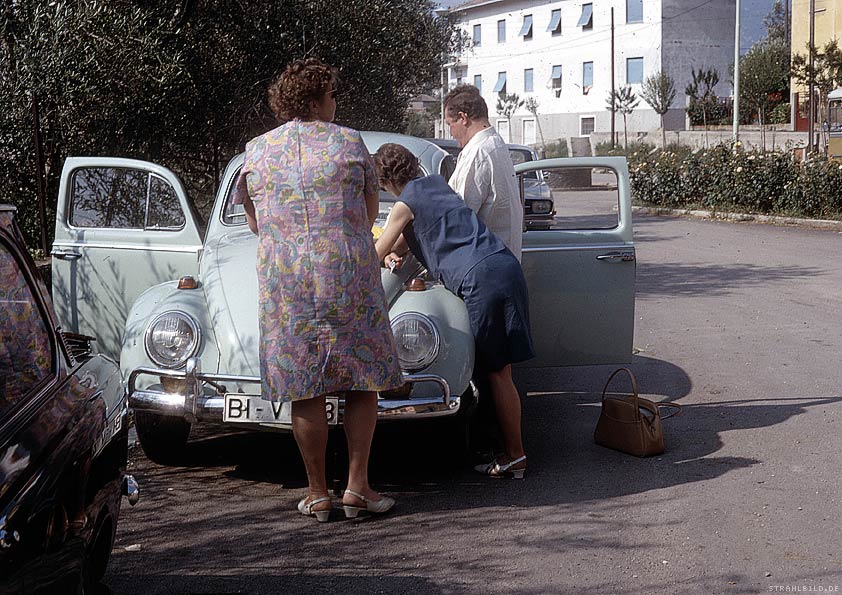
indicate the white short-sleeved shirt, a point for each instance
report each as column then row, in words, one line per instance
column 485, row 179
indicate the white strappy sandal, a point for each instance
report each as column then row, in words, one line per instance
column 306, row 508
column 385, row 504
column 495, row 469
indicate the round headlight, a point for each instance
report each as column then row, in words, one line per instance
column 416, row 339
column 171, row 339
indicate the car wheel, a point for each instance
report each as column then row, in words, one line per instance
column 162, row 437
column 456, row 431
column 99, row 552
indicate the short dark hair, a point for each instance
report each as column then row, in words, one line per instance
column 395, row 164
column 466, row 99
column 301, row 82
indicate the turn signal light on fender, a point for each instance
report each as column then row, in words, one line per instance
column 416, row 284
column 187, row 282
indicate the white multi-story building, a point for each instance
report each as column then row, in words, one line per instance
column 559, row 52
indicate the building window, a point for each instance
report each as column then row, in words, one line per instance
column 501, row 31
column 500, row 87
column 555, row 22
column 503, row 129
column 586, row 20
column 477, row 35
column 586, row 125
column 478, row 82
column 634, row 71
column 527, row 80
column 526, row 29
column 528, row 132
column 458, row 74
column 587, row 77
column 634, row 11
column 557, row 76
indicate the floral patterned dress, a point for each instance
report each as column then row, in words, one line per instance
column 323, row 317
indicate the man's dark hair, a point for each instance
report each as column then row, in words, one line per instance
column 466, row 99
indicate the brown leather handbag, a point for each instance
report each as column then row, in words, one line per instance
column 631, row 424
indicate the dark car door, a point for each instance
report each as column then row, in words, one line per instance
column 48, row 425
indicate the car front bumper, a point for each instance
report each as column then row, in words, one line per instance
column 204, row 399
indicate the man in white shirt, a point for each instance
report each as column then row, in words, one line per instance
column 484, row 176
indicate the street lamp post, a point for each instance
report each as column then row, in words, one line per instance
column 736, row 120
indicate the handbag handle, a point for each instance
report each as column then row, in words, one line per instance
column 634, row 388
column 675, row 406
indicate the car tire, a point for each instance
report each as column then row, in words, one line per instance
column 456, row 431
column 162, row 437
column 99, row 552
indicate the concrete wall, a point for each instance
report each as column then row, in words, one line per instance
column 696, row 139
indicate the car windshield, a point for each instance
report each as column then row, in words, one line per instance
column 235, row 215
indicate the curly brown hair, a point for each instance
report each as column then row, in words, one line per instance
column 466, row 99
column 302, row 82
column 395, row 164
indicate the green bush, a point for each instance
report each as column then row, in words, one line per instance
column 780, row 113
column 728, row 178
column 604, row 149
column 557, row 149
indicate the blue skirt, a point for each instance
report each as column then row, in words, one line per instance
column 494, row 292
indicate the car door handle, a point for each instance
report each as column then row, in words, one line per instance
column 625, row 256
column 65, row 254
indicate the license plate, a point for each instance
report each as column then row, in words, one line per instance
column 240, row 408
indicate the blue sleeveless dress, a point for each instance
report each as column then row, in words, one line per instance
column 473, row 263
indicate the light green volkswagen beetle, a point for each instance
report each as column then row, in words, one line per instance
column 179, row 310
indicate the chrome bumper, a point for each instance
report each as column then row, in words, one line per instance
column 205, row 398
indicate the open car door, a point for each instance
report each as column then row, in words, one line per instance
column 122, row 226
column 580, row 268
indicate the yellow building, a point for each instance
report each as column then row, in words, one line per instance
column 828, row 26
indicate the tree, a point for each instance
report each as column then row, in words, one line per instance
column 702, row 96
column 508, row 104
column 777, row 27
column 826, row 73
column 764, row 78
column 659, row 91
column 183, row 83
column 531, row 104
column 624, row 101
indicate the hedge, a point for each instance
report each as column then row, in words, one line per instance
column 729, row 178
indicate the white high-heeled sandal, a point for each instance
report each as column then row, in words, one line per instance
column 306, row 508
column 495, row 469
column 385, row 504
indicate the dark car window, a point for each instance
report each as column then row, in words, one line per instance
column 520, row 156
column 123, row 198
column 26, row 356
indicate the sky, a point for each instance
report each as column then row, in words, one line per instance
column 752, row 13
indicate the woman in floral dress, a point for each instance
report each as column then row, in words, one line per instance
column 310, row 193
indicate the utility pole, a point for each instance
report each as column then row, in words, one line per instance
column 812, row 82
column 613, row 93
column 736, row 120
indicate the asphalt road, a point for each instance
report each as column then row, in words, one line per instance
column 740, row 323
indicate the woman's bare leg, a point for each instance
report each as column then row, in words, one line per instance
column 507, row 404
column 360, row 419
column 309, row 426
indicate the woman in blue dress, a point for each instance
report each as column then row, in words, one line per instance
column 431, row 220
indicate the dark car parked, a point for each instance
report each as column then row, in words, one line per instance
column 538, row 208
column 63, row 438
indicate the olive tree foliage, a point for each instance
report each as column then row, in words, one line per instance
column 659, row 92
column 764, row 78
column 183, row 83
column 508, row 104
column 826, row 73
column 625, row 101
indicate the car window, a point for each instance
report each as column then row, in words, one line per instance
column 123, row 198
column 522, row 156
column 583, row 198
column 26, row 354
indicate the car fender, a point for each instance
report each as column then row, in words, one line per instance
column 455, row 361
column 157, row 300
